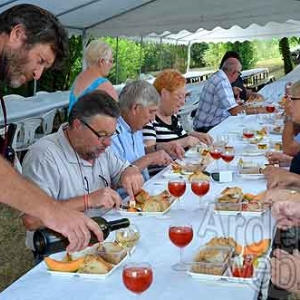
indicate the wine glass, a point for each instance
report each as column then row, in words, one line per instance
column 248, row 134
column 270, row 107
column 137, row 277
column 128, row 237
column 177, row 188
column 216, row 152
column 200, row 188
column 221, row 140
column 228, row 155
column 180, row 235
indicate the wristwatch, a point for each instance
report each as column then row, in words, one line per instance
column 134, row 166
column 287, row 119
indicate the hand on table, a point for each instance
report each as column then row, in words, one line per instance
column 132, row 181
column 160, row 157
column 174, row 149
column 285, row 269
column 278, row 157
column 276, row 177
column 105, row 197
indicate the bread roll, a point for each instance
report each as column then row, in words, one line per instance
column 95, row 265
column 152, row 206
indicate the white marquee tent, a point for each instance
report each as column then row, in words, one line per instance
column 142, row 17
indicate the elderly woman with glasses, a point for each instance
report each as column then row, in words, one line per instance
column 99, row 59
column 139, row 103
column 166, row 128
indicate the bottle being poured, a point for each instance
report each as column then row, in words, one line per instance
column 47, row 241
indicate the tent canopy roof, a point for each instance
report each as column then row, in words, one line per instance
column 142, row 17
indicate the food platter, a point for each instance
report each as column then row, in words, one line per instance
column 89, row 250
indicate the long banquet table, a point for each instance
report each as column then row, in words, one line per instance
column 156, row 248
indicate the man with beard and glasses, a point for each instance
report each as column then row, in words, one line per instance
column 31, row 41
column 76, row 166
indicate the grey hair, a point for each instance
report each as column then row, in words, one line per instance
column 95, row 51
column 230, row 65
column 138, row 92
column 295, row 89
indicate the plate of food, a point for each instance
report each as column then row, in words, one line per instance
column 149, row 205
column 95, row 262
column 276, row 130
column 233, row 201
column 222, row 259
column 252, row 150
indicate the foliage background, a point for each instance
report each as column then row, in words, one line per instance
column 148, row 58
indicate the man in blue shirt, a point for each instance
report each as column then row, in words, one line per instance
column 138, row 102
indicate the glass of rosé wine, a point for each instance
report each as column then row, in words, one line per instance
column 180, row 235
column 137, row 277
column 177, row 188
column 270, row 107
column 228, row 155
column 248, row 134
column 200, row 188
column 216, row 153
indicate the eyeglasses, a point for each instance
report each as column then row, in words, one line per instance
column 295, row 98
column 111, row 61
column 99, row 136
column 180, row 96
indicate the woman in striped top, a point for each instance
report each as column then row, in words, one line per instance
column 166, row 127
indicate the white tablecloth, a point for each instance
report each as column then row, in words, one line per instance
column 34, row 106
column 156, row 248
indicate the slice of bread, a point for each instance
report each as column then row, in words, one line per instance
column 152, row 206
column 142, row 196
column 95, row 265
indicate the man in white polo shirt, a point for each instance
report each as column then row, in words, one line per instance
column 76, row 166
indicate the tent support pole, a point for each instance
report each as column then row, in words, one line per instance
column 160, row 55
column 188, row 57
column 117, row 60
column 84, row 44
column 141, row 53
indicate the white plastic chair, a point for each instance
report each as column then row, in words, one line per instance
column 27, row 133
column 47, row 122
column 18, row 136
column 13, row 97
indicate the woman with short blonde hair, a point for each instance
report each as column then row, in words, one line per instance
column 99, row 59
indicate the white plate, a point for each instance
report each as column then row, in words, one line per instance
column 239, row 212
column 254, row 153
column 171, row 175
column 226, row 277
column 146, row 213
column 61, row 255
column 252, row 176
column 192, row 153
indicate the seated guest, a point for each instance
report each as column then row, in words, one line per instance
column 217, row 101
column 138, row 103
column 166, row 127
column 285, row 207
column 99, row 59
column 239, row 90
column 76, row 165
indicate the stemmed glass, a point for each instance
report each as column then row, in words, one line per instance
column 248, row 134
column 270, row 107
column 228, row 155
column 137, row 277
column 177, row 188
column 128, row 238
column 221, row 140
column 200, row 188
column 216, row 152
column 180, row 235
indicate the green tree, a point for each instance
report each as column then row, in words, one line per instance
column 197, row 55
column 128, row 59
column 284, row 48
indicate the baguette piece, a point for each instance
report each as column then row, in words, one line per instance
column 95, row 265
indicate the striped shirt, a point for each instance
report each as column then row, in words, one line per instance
column 161, row 132
column 216, row 99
